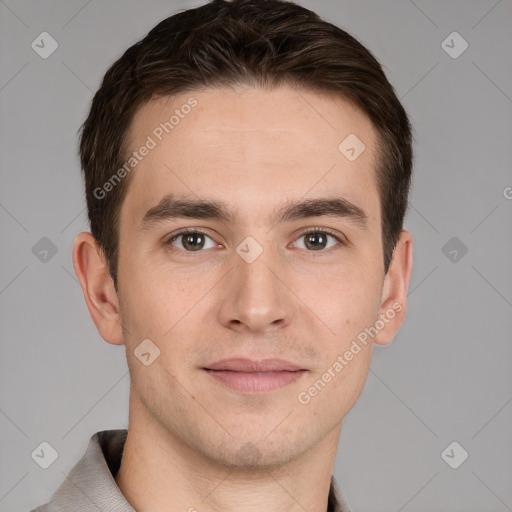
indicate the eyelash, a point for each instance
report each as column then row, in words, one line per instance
column 193, row 231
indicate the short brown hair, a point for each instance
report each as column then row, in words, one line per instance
column 264, row 43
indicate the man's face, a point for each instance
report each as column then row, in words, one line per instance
column 204, row 298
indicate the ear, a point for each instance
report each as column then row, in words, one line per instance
column 98, row 287
column 393, row 303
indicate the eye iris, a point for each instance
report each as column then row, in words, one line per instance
column 188, row 241
column 316, row 244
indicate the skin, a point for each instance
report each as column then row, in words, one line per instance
column 187, row 433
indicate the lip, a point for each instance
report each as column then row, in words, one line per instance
column 241, row 364
column 251, row 376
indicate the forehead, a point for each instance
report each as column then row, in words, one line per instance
column 250, row 148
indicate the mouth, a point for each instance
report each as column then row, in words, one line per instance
column 251, row 376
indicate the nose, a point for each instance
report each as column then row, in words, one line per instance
column 254, row 299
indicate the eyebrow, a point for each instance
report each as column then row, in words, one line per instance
column 172, row 207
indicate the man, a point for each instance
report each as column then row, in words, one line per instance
column 247, row 169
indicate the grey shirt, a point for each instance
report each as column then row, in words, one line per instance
column 90, row 485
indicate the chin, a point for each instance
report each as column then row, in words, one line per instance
column 256, row 452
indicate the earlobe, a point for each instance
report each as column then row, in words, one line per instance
column 394, row 293
column 97, row 287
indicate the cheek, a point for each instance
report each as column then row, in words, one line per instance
column 332, row 391
column 346, row 301
column 158, row 302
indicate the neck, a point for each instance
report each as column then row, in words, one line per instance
column 161, row 473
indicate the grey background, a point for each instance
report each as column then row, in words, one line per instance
column 446, row 376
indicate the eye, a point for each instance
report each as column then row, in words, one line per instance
column 191, row 240
column 194, row 240
column 317, row 239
